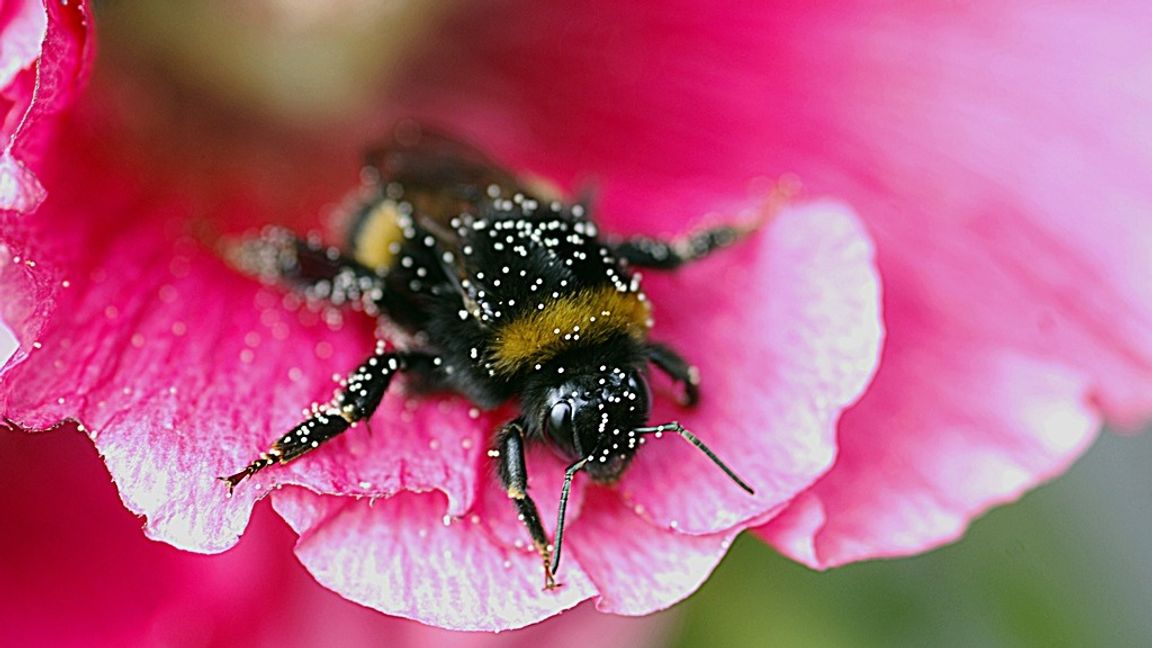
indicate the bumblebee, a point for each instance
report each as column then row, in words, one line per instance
column 508, row 293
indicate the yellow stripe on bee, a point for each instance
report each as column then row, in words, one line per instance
column 378, row 233
column 586, row 316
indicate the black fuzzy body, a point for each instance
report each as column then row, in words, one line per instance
column 458, row 278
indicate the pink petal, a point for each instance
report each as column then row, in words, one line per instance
column 77, row 571
column 183, row 371
column 1015, row 253
column 20, row 191
column 964, row 430
column 399, row 556
column 1019, row 306
column 22, row 29
column 86, row 576
column 8, row 344
column 44, row 60
column 785, row 330
column 640, row 102
column 638, row 568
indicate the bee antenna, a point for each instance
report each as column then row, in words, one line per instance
column 568, row 475
column 675, row 426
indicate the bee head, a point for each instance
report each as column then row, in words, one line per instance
column 594, row 414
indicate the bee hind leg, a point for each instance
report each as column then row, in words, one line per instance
column 321, row 273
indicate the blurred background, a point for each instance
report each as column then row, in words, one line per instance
column 1069, row 565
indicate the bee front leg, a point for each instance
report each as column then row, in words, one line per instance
column 645, row 252
column 360, row 394
column 509, row 455
column 678, row 369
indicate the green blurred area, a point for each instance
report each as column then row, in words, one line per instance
column 1069, row 565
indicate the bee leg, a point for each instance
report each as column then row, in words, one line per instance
column 358, row 398
column 277, row 256
column 509, row 455
column 645, row 252
column 678, row 369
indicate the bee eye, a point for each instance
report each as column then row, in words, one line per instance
column 560, row 419
column 639, row 386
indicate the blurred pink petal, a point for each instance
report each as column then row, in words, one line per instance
column 1006, row 154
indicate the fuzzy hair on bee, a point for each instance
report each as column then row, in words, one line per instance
column 510, row 291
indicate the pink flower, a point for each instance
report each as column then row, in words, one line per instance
column 996, row 158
